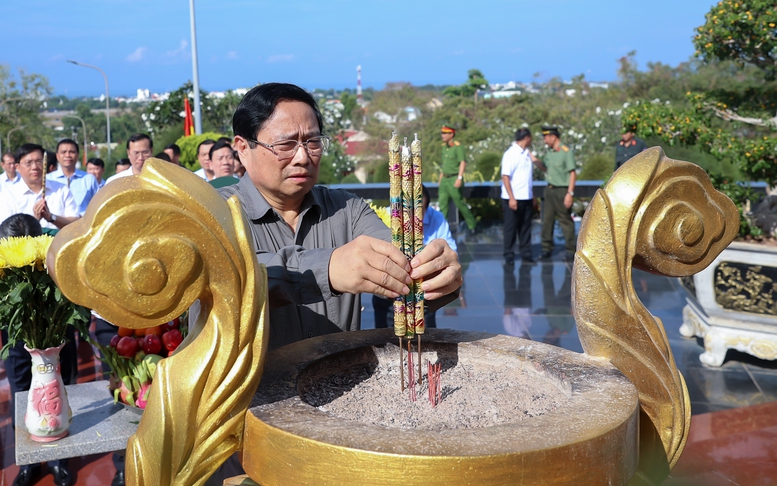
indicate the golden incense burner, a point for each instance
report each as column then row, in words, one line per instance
column 149, row 246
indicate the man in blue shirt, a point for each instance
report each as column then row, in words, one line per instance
column 9, row 168
column 435, row 226
column 83, row 186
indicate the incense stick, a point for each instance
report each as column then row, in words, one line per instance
column 401, row 365
column 45, row 163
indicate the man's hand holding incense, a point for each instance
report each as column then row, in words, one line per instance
column 369, row 265
column 439, row 266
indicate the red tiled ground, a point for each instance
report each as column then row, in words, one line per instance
column 737, row 446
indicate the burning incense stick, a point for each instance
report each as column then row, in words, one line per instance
column 45, row 163
column 418, row 238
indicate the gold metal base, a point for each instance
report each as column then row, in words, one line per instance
column 589, row 439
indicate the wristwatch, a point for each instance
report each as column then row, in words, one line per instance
column 53, row 218
column 571, row 193
column 460, row 177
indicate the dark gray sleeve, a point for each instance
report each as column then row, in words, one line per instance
column 301, row 276
column 296, row 275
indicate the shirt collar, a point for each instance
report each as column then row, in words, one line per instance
column 58, row 174
column 23, row 189
column 257, row 207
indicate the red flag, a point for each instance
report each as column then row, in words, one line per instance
column 188, row 121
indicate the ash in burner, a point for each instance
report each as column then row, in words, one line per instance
column 478, row 390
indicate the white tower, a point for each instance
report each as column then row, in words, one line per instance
column 359, row 98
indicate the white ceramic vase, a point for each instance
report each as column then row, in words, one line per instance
column 48, row 413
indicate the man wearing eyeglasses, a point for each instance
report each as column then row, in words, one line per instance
column 55, row 209
column 322, row 247
column 139, row 148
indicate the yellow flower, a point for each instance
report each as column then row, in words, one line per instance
column 383, row 213
column 24, row 251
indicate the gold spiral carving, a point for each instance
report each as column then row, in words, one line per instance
column 146, row 249
column 662, row 216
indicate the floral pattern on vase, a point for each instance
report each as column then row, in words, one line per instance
column 48, row 412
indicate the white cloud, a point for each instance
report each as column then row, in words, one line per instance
column 137, row 55
column 180, row 51
column 232, row 55
column 281, row 58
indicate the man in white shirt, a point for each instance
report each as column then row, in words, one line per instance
column 55, row 210
column 9, row 170
column 203, row 156
column 82, row 186
column 138, row 150
column 517, row 196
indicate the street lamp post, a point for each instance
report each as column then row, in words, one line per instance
column 195, row 73
column 8, row 135
column 83, row 124
column 107, row 103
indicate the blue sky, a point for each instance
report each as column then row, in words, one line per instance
column 146, row 44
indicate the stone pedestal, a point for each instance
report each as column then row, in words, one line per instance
column 98, row 426
column 732, row 304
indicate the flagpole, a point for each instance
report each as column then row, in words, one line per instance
column 195, row 73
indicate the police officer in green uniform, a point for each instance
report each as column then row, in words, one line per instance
column 560, row 174
column 628, row 147
column 452, row 176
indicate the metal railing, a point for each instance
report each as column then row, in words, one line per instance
column 483, row 190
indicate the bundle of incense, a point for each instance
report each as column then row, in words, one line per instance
column 397, row 233
column 407, row 232
column 45, row 164
column 433, row 379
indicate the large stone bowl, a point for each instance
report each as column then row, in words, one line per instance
column 589, row 437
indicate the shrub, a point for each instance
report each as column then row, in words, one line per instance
column 189, row 148
column 488, row 164
column 597, row 168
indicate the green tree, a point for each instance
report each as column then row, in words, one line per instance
column 23, row 96
column 335, row 164
column 159, row 116
column 475, row 82
column 741, row 31
column 735, row 122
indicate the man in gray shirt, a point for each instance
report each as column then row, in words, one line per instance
column 322, row 247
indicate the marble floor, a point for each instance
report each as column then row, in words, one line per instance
column 734, row 424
